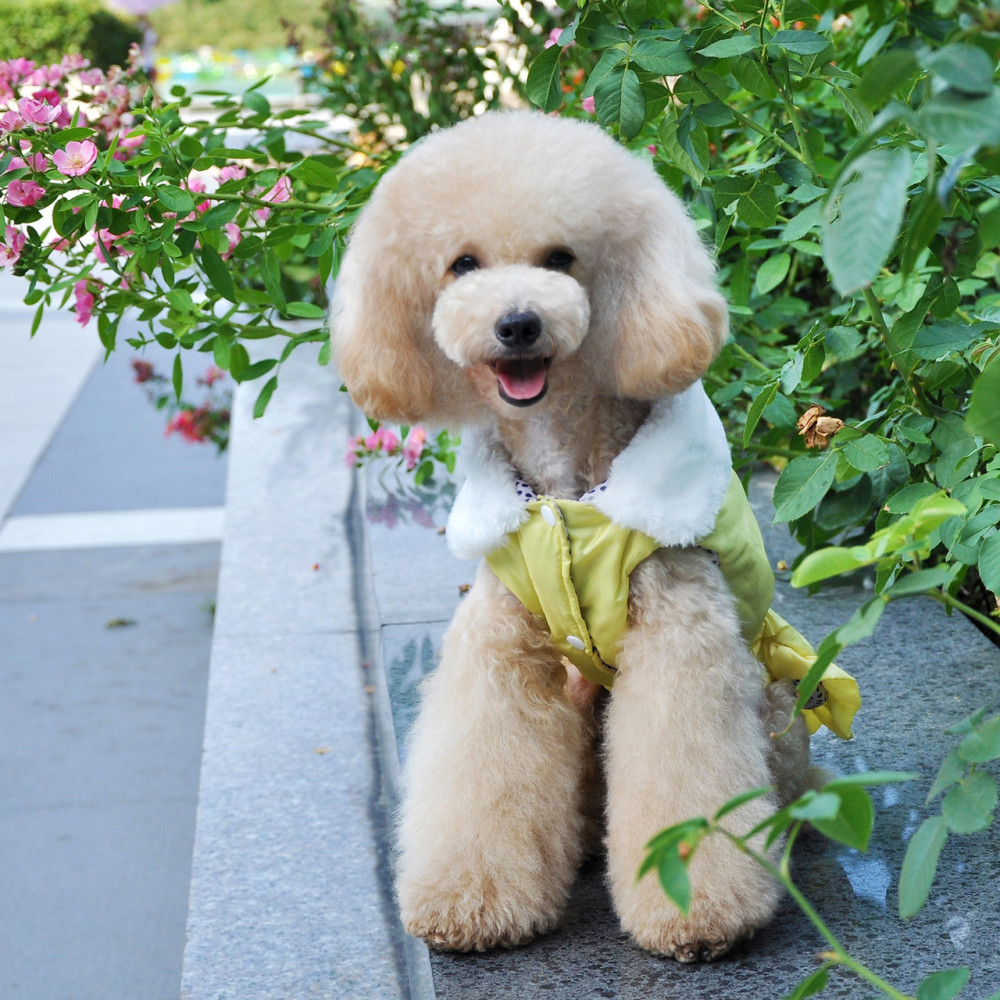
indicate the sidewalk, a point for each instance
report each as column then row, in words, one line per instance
column 109, row 549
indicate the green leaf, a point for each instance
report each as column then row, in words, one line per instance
column 825, row 563
column 677, row 153
column 218, row 215
column 886, row 74
column 178, row 377
column 872, row 198
column 265, row 396
column 665, row 58
column 543, row 85
column 989, row 562
column 802, row 484
column 750, row 75
column 757, row 407
column 220, row 351
column 270, row 273
column 921, row 581
column 920, row 865
column 968, row 806
column 802, row 43
column 965, row 67
column 217, row 272
column 983, row 416
column 983, row 744
column 239, row 361
column 619, row 98
column 815, row 805
column 175, row 199
column 944, row 985
column 734, row 45
column 759, row 206
column 672, row 872
column 952, row 770
column 952, row 118
column 742, row 799
column 257, row 102
column 861, row 624
column 304, row 310
column 866, row 454
column 772, row 272
column 852, row 825
column 810, row 986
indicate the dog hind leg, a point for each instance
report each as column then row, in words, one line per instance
column 491, row 830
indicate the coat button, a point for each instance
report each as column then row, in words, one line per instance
column 548, row 515
column 576, row 642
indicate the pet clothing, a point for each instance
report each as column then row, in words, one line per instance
column 569, row 561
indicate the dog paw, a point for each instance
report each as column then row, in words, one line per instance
column 732, row 896
column 474, row 921
column 701, row 938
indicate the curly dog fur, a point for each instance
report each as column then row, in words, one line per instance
column 527, row 277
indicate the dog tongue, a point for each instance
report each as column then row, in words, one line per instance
column 522, row 378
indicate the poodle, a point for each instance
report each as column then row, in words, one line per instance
column 528, row 280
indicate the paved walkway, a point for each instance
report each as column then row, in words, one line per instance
column 109, row 550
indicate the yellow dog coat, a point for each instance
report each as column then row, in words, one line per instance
column 569, row 561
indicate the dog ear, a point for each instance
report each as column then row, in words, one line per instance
column 668, row 319
column 380, row 320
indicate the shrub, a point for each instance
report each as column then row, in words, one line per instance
column 44, row 30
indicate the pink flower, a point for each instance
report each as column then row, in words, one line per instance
column 185, row 424
column 414, row 447
column 24, row 194
column 588, row 105
column 382, row 440
column 352, row 456
column 212, row 375
column 34, row 161
column 282, row 191
column 10, row 249
column 232, row 172
column 76, row 159
column 38, row 112
column 11, row 121
column 234, row 236
column 84, row 305
column 553, row 38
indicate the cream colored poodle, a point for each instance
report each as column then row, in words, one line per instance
column 527, row 279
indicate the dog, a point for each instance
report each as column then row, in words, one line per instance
column 526, row 279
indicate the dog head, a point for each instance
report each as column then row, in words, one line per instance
column 514, row 258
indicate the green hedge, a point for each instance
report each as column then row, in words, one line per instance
column 45, row 30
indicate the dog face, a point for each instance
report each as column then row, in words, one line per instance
column 515, row 258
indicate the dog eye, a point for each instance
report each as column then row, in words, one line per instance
column 463, row 265
column 559, row 260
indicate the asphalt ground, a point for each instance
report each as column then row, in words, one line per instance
column 109, row 551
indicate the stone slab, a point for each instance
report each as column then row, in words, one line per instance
column 289, row 891
column 919, row 673
column 103, row 669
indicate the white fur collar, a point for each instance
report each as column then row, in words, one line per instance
column 668, row 482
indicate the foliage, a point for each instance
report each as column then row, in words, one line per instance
column 409, row 446
column 425, row 66
column 192, row 236
column 44, row 30
column 229, row 25
column 206, row 421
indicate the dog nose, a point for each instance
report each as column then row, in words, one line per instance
column 518, row 329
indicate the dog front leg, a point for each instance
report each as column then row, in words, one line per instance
column 684, row 735
column 490, row 831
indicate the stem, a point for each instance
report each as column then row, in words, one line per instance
column 793, row 116
column 752, row 125
column 878, row 319
column 747, row 356
column 763, row 449
column 837, row 954
column 942, row 597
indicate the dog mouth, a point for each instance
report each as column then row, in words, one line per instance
column 522, row 381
